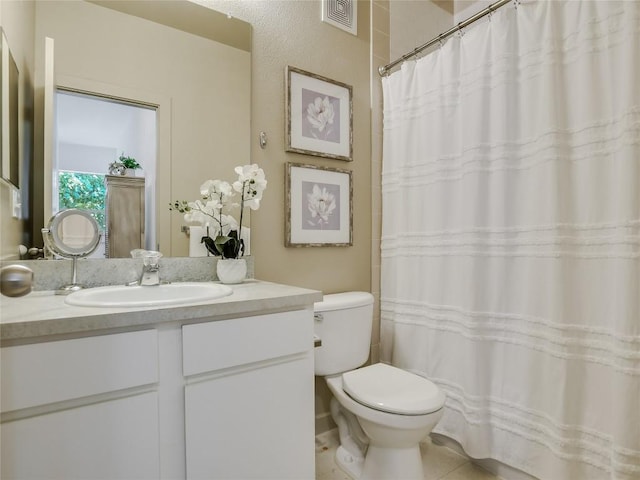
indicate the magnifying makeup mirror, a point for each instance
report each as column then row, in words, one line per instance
column 73, row 234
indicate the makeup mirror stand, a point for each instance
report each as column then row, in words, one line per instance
column 54, row 240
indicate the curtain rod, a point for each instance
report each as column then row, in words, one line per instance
column 416, row 51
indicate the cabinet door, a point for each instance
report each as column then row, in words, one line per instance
column 252, row 424
column 110, row 440
column 81, row 408
column 249, row 398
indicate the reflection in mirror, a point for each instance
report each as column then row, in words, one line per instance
column 9, row 143
column 71, row 234
column 92, row 135
column 75, row 233
column 179, row 59
column 125, row 209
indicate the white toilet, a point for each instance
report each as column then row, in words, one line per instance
column 382, row 412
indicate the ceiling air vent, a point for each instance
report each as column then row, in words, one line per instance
column 341, row 14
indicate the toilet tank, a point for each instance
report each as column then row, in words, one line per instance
column 343, row 323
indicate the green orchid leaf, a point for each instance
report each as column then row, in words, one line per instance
column 210, row 246
column 228, row 245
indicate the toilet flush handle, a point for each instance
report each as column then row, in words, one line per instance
column 317, row 341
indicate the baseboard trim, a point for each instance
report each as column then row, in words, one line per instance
column 324, row 423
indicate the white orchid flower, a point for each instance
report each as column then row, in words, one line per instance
column 251, row 183
column 253, row 203
column 320, row 113
column 207, row 187
column 216, row 197
column 195, row 216
column 253, row 174
column 321, row 204
column 216, row 188
column 213, row 206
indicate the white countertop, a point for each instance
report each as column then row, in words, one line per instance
column 43, row 314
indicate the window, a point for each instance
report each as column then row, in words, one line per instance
column 83, row 190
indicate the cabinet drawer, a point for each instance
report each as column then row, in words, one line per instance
column 228, row 343
column 51, row 372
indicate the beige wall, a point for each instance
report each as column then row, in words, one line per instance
column 291, row 33
column 466, row 8
column 415, row 22
column 16, row 19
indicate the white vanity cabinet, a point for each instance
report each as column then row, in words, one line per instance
column 81, row 408
column 207, row 396
column 249, row 397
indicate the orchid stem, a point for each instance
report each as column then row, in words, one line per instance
column 244, row 185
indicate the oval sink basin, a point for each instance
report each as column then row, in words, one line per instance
column 148, row 296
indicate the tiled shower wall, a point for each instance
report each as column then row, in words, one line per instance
column 380, row 55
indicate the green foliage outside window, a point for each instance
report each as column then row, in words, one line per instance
column 85, row 191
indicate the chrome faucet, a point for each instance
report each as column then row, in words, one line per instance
column 150, row 267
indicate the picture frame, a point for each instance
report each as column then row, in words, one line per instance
column 319, row 206
column 319, row 115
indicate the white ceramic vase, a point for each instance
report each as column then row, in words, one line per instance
column 231, row 270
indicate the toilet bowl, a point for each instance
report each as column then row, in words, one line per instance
column 382, row 412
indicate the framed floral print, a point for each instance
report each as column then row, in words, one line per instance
column 319, row 115
column 318, row 206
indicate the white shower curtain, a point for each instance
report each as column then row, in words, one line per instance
column 511, row 235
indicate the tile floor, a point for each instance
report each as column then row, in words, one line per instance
column 440, row 463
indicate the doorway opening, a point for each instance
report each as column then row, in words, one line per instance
column 91, row 133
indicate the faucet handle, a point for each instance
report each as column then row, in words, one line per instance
column 151, row 259
column 150, row 267
column 141, row 252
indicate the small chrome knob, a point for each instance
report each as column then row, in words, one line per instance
column 16, row 280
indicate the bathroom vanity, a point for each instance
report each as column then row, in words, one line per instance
column 220, row 389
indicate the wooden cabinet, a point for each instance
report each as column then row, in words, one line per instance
column 226, row 399
column 125, row 210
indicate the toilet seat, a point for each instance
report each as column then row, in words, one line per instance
column 390, row 389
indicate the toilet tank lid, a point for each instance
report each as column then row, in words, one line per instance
column 339, row 301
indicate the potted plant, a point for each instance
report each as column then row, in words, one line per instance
column 130, row 164
column 212, row 211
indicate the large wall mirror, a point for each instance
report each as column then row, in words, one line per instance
column 167, row 83
column 9, row 144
